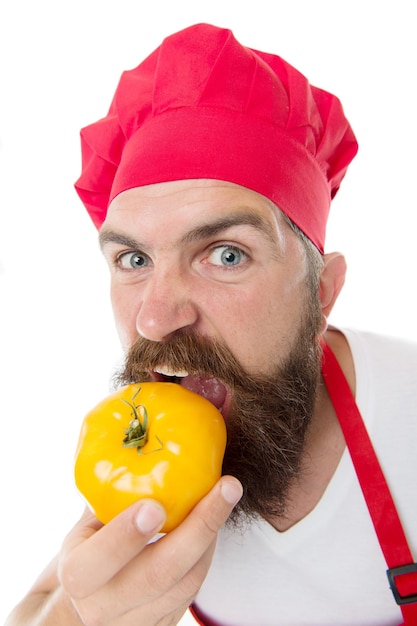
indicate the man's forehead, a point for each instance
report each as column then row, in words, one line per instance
column 204, row 207
column 205, row 192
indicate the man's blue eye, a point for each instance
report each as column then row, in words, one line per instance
column 228, row 256
column 132, row 260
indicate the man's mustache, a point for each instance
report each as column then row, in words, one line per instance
column 194, row 353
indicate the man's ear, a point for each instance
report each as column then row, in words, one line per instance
column 332, row 279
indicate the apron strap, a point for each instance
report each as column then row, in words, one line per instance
column 402, row 571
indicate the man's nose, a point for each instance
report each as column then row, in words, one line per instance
column 166, row 307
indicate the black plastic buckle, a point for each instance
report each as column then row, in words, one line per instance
column 392, row 574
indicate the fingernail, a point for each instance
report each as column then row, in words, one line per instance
column 150, row 517
column 231, row 491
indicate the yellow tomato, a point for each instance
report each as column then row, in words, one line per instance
column 156, row 440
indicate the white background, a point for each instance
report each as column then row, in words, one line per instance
column 60, row 63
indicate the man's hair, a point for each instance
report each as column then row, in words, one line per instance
column 314, row 257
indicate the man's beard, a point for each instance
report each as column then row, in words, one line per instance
column 268, row 417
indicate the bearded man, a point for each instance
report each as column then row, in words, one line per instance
column 210, row 180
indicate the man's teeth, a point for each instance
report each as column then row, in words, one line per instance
column 166, row 371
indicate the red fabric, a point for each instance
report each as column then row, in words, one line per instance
column 372, row 480
column 204, row 106
column 197, row 619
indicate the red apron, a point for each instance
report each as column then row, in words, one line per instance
column 402, row 570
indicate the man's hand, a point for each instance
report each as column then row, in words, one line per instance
column 115, row 577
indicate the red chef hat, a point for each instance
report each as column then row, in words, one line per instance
column 204, row 106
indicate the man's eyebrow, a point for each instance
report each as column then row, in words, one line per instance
column 112, row 236
column 240, row 217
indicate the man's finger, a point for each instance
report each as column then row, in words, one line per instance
column 167, row 562
column 92, row 554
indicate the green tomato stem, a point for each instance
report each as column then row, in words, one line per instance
column 136, row 435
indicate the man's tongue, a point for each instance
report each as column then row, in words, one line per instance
column 209, row 388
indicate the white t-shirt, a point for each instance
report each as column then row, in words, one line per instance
column 328, row 569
